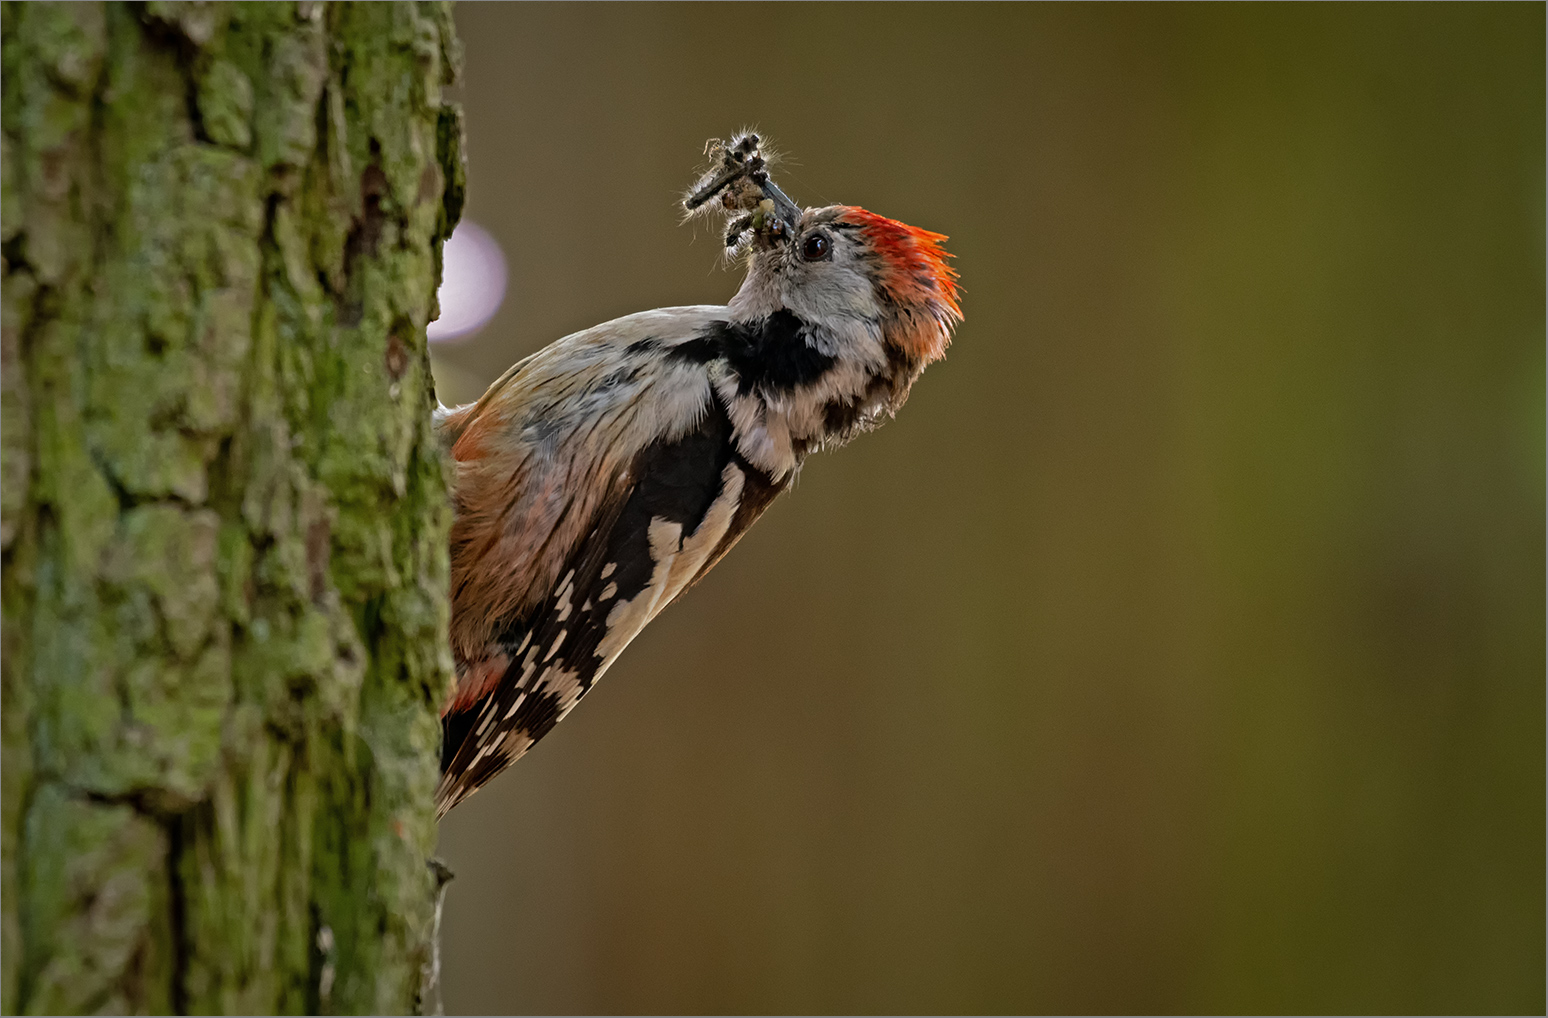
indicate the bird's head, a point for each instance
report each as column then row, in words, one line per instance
column 831, row 265
column 844, row 262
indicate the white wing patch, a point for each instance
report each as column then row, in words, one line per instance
column 675, row 562
column 627, row 618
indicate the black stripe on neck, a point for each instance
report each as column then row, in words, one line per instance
column 768, row 354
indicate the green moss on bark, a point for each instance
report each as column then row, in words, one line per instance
column 222, row 509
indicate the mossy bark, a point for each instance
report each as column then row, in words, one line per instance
column 224, row 512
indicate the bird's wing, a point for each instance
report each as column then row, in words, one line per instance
column 571, row 535
column 545, row 452
column 684, row 504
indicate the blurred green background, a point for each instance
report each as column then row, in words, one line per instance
column 1180, row 647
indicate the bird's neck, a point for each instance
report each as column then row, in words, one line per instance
column 792, row 384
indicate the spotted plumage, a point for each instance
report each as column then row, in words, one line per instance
column 601, row 477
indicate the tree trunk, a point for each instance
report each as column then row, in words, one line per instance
column 224, row 512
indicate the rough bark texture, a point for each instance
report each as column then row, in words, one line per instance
column 224, row 512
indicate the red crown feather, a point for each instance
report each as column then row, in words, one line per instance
column 914, row 273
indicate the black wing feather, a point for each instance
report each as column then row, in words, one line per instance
column 553, row 653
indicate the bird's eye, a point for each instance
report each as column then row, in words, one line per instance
column 816, row 247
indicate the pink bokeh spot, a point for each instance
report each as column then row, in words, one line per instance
column 472, row 282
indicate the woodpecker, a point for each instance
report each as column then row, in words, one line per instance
column 600, row 478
